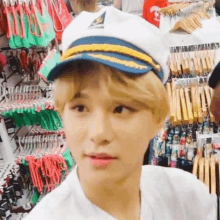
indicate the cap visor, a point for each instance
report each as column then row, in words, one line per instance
column 117, row 61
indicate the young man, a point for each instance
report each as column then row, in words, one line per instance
column 109, row 91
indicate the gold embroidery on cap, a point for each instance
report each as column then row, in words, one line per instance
column 116, row 60
column 110, row 48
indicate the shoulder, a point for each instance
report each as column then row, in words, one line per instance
column 183, row 188
column 176, row 177
column 181, row 182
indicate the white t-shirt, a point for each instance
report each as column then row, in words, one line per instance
column 133, row 6
column 166, row 194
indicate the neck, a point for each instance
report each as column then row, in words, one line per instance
column 120, row 199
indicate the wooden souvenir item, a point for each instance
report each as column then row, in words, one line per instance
column 175, row 70
column 174, row 101
column 207, row 172
column 201, row 168
column 202, row 94
column 183, row 107
column 172, row 114
column 189, row 106
column 196, row 166
column 194, row 104
column 213, row 175
column 200, row 116
column 179, row 116
column 212, row 118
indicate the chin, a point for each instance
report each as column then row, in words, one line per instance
column 102, row 175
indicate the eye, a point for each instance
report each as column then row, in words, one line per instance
column 79, row 108
column 122, row 109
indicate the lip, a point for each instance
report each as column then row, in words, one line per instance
column 101, row 156
column 101, row 159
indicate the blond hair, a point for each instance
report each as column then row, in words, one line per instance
column 147, row 90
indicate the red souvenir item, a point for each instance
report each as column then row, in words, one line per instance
column 7, row 15
column 24, row 60
column 151, row 11
column 3, row 19
column 12, row 10
column 3, row 62
column 20, row 12
column 60, row 16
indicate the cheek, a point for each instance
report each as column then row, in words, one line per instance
column 140, row 128
column 75, row 135
column 135, row 135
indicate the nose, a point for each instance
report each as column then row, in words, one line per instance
column 101, row 131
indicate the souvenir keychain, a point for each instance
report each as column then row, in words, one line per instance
column 3, row 18
column 29, row 25
column 15, row 40
column 61, row 17
column 6, row 12
column 48, row 63
column 44, row 32
column 24, row 60
column 3, row 62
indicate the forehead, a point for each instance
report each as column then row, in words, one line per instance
column 107, row 81
column 94, row 74
column 96, row 78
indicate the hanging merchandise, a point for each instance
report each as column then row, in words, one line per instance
column 52, row 59
column 34, row 157
column 190, row 138
column 10, row 190
column 26, row 106
column 41, row 165
column 192, row 21
column 3, row 62
column 60, row 15
column 179, row 145
column 189, row 103
column 204, row 167
column 28, row 23
column 151, row 11
column 45, row 159
column 196, row 60
column 189, row 22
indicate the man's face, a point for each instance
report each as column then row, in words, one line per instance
column 107, row 137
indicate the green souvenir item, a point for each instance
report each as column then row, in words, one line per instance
column 35, row 197
column 50, row 62
column 47, row 119
column 69, row 159
column 44, row 27
column 17, row 39
column 11, row 40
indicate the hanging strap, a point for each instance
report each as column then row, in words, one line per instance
column 36, row 21
column 58, row 24
column 6, row 11
column 19, row 9
column 15, row 21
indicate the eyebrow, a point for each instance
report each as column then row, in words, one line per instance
column 80, row 95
